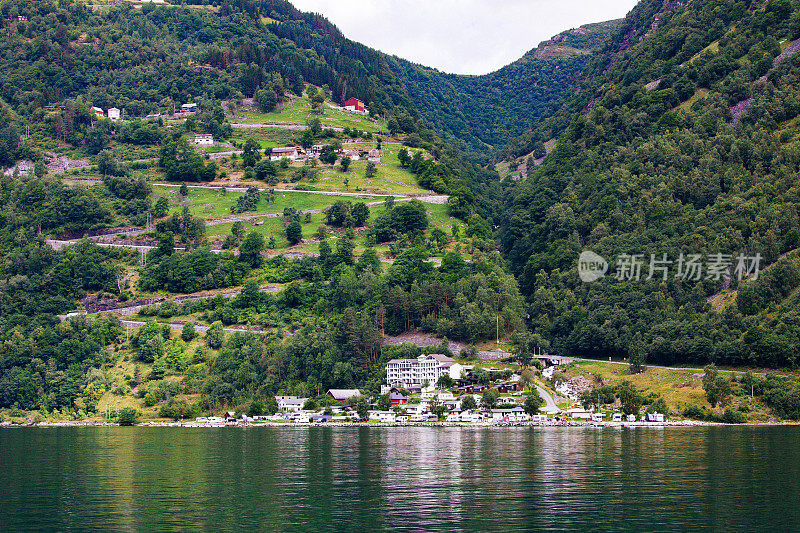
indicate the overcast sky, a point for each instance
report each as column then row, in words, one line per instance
column 461, row 36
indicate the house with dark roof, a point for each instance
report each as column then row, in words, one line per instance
column 343, row 395
column 396, row 397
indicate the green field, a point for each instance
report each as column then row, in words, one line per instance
column 266, row 137
column 273, row 226
column 678, row 386
column 299, row 112
column 210, row 203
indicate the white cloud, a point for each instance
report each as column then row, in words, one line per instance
column 461, row 36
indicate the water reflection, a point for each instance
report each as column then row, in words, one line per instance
column 353, row 479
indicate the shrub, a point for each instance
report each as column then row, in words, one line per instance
column 733, row 417
column 178, row 409
column 188, row 333
column 694, row 412
column 128, row 416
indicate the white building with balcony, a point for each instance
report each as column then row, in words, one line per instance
column 414, row 373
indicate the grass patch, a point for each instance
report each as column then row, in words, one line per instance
column 210, row 203
column 697, row 95
column 679, row 388
column 298, row 111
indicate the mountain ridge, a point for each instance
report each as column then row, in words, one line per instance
column 485, row 111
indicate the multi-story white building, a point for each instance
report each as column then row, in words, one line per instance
column 413, row 373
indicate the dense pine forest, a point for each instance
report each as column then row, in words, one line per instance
column 682, row 139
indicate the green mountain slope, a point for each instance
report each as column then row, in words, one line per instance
column 490, row 110
column 358, row 263
column 681, row 140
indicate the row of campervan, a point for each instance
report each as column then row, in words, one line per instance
column 618, row 417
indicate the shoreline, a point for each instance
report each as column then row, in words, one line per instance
column 294, row 425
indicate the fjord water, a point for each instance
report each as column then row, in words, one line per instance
column 415, row 479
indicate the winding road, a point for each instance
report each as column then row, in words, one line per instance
column 550, row 404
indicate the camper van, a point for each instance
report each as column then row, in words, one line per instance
column 616, row 417
column 597, row 417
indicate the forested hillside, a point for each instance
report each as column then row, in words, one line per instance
column 285, row 273
column 292, row 271
column 152, row 58
column 682, row 139
column 490, row 110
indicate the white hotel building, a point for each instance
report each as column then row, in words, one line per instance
column 412, row 373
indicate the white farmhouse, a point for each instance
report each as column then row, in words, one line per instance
column 290, row 403
column 113, row 114
column 205, row 139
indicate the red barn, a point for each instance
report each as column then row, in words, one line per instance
column 354, row 104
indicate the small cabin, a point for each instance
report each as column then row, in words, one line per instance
column 288, row 152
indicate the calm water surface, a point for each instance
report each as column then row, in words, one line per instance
column 413, row 479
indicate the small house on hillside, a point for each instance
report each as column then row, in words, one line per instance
column 342, row 395
column 374, row 155
column 352, row 154
column 396, row 397
column 289, row 152
column 510, row 386
column 355, row 105
column 113, row 114
column 98, row 112
column 189, row 108
column 205, row 139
